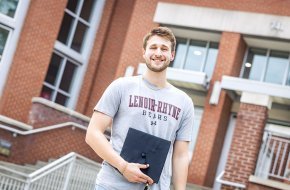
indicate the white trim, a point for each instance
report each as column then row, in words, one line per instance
column 246, row 85
column 215, row 94
column 268, row 182
column 225, row 150
column 181, row 75
column 223, row 20
column 278, row 130
column 233, row 184
column 60, row 108
column 267, row 44
column 196, row 34
column 16, row 24
column 256, row 99
column 15, row 123
column 48, row 128
column 67, row 52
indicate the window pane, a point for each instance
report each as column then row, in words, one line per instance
column 277, row 66
column 195, row 55
column 180, row 53
column 8, row 7
column 87, row 9
column 79, row 36
column 67, row 76
column 288, row 79
column 255, row 64
column 211, row 59
column 46, row 93
column 61, row 99
column 65, row 29
column 3, row 39
column 53, row 69
column 72, row 5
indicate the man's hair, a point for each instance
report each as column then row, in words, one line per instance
column 162, row 32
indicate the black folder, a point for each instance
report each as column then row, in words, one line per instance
column 143, row 148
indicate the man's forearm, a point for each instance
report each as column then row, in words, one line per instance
column 180, row 171
column 180, row 161
column 98, row 142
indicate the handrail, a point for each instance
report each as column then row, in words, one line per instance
column 41, row 174
column 86, row 159
column 13, row 171
column 11, row 177
column 47, row 128
column 52, row 164
column 220, row 180
column 49, row 167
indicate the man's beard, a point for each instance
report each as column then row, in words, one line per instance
column 159, row 69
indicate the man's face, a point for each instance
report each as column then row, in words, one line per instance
column 158, row 53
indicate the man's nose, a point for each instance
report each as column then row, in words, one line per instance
column 158, row 52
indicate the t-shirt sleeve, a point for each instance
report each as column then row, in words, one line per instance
column 111, row 99
column 184, row 133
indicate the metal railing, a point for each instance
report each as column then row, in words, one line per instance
column 72, row 172
column 274, row 158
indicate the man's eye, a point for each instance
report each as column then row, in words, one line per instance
column 164, row 49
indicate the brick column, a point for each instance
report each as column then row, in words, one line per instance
column 216, row 117
column 247, row 139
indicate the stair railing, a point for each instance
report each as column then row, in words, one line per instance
column 71, row 171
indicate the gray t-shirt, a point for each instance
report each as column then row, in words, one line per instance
column 134, row 102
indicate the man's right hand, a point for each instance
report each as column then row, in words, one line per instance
column 133, row 173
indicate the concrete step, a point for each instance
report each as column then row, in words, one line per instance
column 19, row 168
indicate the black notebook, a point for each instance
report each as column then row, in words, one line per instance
column 143, row 148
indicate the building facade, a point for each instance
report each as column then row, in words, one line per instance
column 232, row 59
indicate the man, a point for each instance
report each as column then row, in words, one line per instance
column 150, row 104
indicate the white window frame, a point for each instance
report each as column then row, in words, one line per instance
column 15, row 26
column 56, row 88
column 262, row 77
column 198, row 35
column 187, row 47
column 83, row 57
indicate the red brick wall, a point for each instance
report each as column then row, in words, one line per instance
column 90, row 81
column 141, row 23
column 246, row 143
column 49, row 144
column 41, row 115
column 45, row 145
column 110, row 52
column 215, row 118
column 32, row 57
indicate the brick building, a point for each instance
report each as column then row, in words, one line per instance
column 232, row 58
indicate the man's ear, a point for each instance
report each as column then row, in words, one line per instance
column 172, row 55
column 143, row 53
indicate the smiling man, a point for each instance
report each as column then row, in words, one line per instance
column 148, row 103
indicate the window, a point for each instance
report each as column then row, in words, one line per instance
column 75, row 23
column 8, row 7
column 12, row 16
column 195, row 55
column 59, row 77
column 267, row 66
column 4, row 33
column 69, row 58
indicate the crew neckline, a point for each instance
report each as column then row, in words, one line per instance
column 153, row 86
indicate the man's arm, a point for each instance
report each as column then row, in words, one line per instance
column 180, row 163
column 96, row 139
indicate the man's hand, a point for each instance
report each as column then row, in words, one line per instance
column 133, row 173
